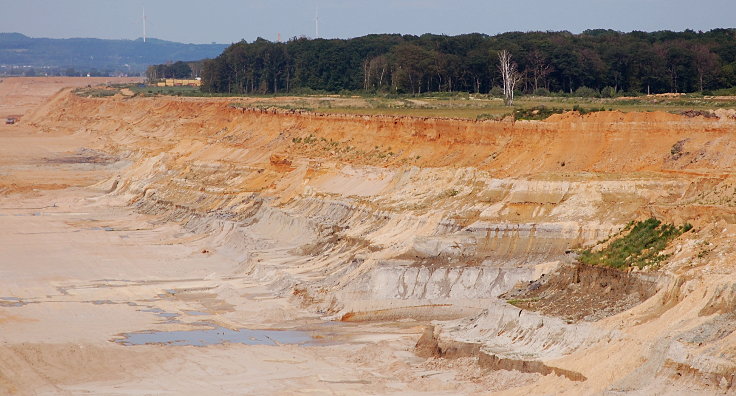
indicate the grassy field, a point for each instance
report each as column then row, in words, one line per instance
column 482, row 108
column 460, row 105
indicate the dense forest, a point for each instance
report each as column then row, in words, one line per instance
column 604, row 62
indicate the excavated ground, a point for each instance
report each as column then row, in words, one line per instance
column 580, row 292
column 274, row 219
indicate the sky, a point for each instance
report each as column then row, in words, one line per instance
column 228, row 21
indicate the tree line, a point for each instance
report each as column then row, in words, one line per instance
column 603, row 61
column 178, row 69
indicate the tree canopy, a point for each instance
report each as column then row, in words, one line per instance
column 603, row 60
column 173, row 70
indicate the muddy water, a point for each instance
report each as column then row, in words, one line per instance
column 217, row 335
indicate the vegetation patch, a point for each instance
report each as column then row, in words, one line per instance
column 536, row 112
column 95, row 92
column 639, row 244
column 583, row 110
column 587, row 65
column 452, row 192
column 490, row 117
column 521, row 302
column 698, row 113
column 542, row 112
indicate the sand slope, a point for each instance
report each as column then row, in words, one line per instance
column 279, row 219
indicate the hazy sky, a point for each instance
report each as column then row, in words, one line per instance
column 226, row 21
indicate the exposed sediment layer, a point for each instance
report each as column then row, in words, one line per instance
column 582, row 292
column 395, row 217
column 429, row 345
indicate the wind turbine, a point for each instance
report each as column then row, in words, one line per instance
column 316, row 22
column 144, row 24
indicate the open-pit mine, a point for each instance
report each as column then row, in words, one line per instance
column 190, row 246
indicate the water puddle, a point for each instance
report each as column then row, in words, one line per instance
column 161, row 313
column 196, row 313
column 217, row 335
column 11, row 302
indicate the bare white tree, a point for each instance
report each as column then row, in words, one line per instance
column 510, row 76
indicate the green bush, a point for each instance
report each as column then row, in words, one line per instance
column 638, row 245
column 608, row 92
column 536, row 113
column 486, row 116
column 95, row 92
column 584, row 111
column 585, row 92
column 725, row 92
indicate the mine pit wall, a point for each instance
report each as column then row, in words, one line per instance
column 443, row 257
column 459, row 213
column 481, row 193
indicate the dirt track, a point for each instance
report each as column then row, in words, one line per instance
column 120, row 215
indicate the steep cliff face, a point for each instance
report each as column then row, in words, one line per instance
column 386, row 218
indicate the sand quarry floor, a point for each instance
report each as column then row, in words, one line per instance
column 97, row 299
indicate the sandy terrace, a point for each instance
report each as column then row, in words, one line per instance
column 79, row 269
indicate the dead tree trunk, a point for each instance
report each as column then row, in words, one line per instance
column 510, row 76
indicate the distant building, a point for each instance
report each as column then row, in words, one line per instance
column 174, row 82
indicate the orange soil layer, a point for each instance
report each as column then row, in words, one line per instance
column 604, row 142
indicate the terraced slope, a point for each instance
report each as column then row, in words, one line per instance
column 383, row 218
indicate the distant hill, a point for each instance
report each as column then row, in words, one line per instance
column 21, row 54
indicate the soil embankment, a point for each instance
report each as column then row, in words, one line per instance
column 582, row 292
column 394, row 218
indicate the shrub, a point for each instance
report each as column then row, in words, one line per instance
column 639, row 244
column 724, row 92
column 486, row 116
column 608, row 92
column 583, row 110
column 586, row 92
column 536, row 113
